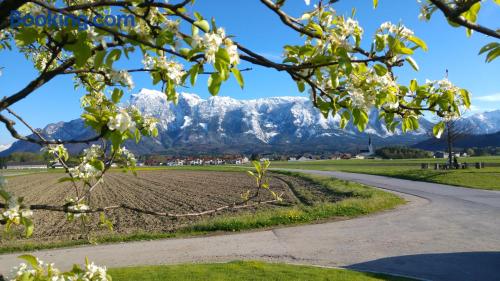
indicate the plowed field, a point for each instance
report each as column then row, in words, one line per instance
column 161, row 190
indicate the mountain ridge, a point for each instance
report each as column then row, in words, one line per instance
column 227, row 125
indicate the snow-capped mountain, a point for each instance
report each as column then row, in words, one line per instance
column 227, row 125
column 483, row 123
column 4, row 147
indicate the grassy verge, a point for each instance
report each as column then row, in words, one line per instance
column 488, row 178
column 358, row 200
column 29, row 246
column 239, row 271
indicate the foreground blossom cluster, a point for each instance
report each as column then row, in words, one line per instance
column 14, row 214
column 122, row 77
column 36, row 269
column 172, row 69
column 76, row 209
column 211, row 42
column 86, row 170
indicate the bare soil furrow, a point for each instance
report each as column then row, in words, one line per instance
column 161, row 190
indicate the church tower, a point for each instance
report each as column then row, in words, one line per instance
column 370, row 146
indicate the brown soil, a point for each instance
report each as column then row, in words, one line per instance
column 172, row 191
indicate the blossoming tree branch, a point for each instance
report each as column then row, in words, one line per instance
column 345, row 74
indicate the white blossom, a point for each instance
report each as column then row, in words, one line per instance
column 211, row 42
column 3, row 34
column 122, row 77
column 128, row 157
column 446, row 85
column 401, row 30
column 91, row 272
column 350, row 26
column 150, row 124
column 93, row 152
column 121, row 122
column 357, row 97
column 391, row 105
column 174, row 70
column 12, row 213
column 26, row 213
column 80, row 207
column 232, row 50
column 94, row 272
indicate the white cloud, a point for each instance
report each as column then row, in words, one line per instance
column 474, row 108
column 490, row 98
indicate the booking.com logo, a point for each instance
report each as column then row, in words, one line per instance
column 81, row 22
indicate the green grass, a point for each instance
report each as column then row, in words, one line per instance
column 29, row 246
column 488, row 178
column 240, row 270
column 360, row 200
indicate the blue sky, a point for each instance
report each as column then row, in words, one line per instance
column 260, row 30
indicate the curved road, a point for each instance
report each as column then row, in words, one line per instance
column 443, row 233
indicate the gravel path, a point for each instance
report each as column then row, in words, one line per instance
column 443, row 233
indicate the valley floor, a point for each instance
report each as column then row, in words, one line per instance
column 444, row 233
column 487, row 178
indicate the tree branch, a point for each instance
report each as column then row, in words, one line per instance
column 454, row 15
column 66, row 209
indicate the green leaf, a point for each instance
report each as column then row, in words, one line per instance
column 238, row 76
column 438, row 129
column 117, row 95
column 222, row 56
column 380, row 69
column 31, row 260
column 413, row 63
column 414, row 122
column 193, row 72
column 360, row 118
column 301, row 86
column 468, row 32
column 99, row 58
column 113, row 56
column 493, row 55
column 198, row 16
column 203, row 24
column 419, row 42
column 26, row 36
column 98, row 164
column 65, row 179
column 413, row 85
column 317, row 28
column 405, row 51
column 465, row 97
column 345, row 117
column 82, row 50
column 214, row 83
column 379, row 42
column 137, row 135
column 5, row 195
column 489, row 47
column 28, row 227
column 471, row 14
